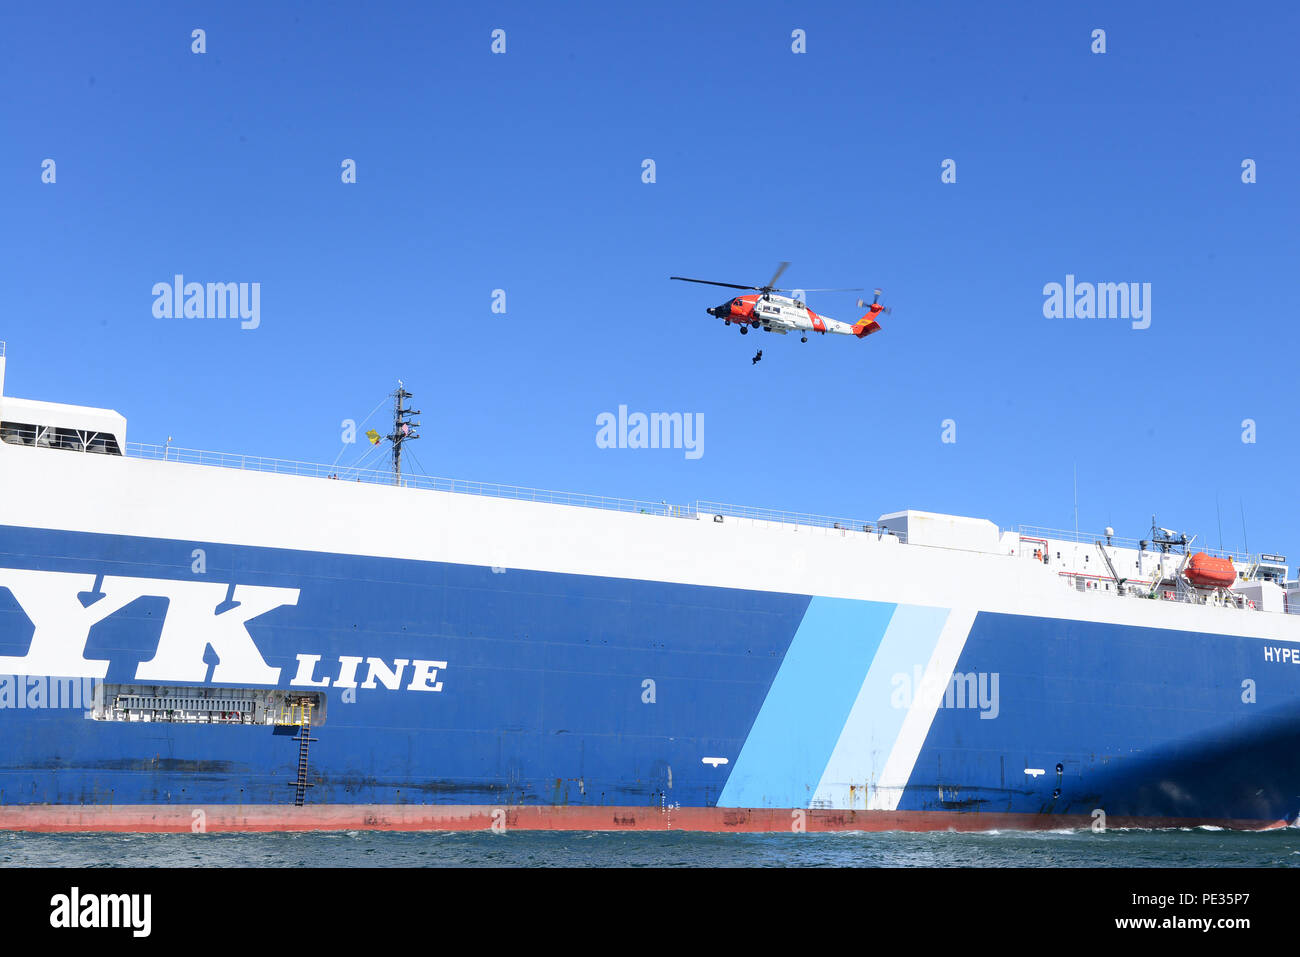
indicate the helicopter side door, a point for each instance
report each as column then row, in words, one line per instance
column 775, row 314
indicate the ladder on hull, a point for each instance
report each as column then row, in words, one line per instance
column 299, row 714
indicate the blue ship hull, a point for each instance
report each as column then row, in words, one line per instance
column 574, row 691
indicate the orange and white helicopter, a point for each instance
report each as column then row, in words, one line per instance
column 783, row 314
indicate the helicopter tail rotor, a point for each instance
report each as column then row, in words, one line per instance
column 875, row 301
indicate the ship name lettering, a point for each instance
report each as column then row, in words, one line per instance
column 423, row 675
column 1282, row 653
column 64, row 606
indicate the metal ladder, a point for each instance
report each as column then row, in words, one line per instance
column 1158, row 573
column 300, row 715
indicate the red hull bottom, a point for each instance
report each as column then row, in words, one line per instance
column 153, row 818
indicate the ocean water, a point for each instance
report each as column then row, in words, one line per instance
column 1199, row 847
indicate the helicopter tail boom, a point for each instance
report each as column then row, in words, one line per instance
column 868, row 324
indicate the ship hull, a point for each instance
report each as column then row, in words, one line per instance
column 883, row 687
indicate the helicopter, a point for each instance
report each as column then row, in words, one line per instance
column 766, row 309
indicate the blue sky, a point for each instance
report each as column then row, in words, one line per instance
column 522, row 172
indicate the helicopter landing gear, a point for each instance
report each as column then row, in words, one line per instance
column 726, row 322
column 744, row 330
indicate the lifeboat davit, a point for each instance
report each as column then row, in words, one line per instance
column 1208, row 571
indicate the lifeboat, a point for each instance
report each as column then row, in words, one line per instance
column 1208, row 571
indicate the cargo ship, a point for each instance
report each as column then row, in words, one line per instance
column 220, row 642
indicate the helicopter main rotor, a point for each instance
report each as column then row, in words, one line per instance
column 771, row 283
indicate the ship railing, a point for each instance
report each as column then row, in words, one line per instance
column 798, row 519
column 1164, row 589
column 698, row 509
column 1082, row 538
column 1083, row 581
column 1190, row 596
column 257, row 463
column 1115, row 541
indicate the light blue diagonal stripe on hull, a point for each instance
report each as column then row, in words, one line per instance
column 781, row 762
column 873, row 725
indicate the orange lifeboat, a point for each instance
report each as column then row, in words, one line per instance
column 1208, row 571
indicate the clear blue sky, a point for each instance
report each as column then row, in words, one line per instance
column 523, row 172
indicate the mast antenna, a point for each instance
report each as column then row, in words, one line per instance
column 1076, row 502
column 403, row 428
column 1219, row 513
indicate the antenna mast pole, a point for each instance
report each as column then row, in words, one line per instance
column 402, row 429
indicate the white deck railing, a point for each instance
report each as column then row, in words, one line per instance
column 692, row 510
column 1086, row 538
column 804, row 519
column 257, row 463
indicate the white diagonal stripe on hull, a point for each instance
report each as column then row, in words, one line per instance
column 888, row 790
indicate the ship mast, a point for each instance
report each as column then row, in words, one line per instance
column 403, row 429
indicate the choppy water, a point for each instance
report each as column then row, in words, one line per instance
column 1129, row 848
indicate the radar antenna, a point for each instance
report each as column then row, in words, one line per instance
column 1166, row 538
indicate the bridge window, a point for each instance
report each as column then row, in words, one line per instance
column 55, row 437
